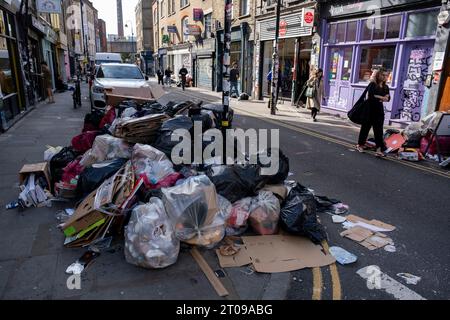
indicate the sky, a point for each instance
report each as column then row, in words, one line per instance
column 107, row 10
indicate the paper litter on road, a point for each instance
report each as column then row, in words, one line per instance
column 342, row 256
column 410, row 278
column 338, row 219
column 373, row 225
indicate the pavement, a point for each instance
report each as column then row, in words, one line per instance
column 412, row 198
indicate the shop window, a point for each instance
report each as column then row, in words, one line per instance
column 393, row 27
column 235, row 52
column 347, row 67
column 334, row 63
column 184, row 25
column 332, row 33
column 422, row 24
column 351, row 31
column 373, row 57
column 366, row 27
column 379, row 28
column 340, row 33
column 7, row 78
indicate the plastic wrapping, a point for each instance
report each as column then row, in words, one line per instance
column 151, row 164
column 50, row 152
column 128, row 112
column 265, row 213
column 106, row 147
column 150, row 240
column 430, row 122
column 193, row 209
column 237, row 223
column 299, row 214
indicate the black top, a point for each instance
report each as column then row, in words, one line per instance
column 234, row 74
column 168, row 72
column 375, row 90
column 183, row 72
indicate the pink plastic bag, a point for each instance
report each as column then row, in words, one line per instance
column 72, row 170
column 83, row 142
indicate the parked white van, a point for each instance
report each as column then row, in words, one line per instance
column 107, row 57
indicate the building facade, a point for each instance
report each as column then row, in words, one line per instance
column 103, row 42
column 144, row 36
column 399, row 36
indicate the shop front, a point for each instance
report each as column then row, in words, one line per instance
column 401, row 40
column 294, row 51
column 12, row 100
column 203, row 64
column 178, row 57
column 49, row 53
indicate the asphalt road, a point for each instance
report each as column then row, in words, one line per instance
column 416, row 202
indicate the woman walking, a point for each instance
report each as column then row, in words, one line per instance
column 314, row 93
column 378, row 93
column 47, row 79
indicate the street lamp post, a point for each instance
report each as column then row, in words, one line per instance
column 132, row 36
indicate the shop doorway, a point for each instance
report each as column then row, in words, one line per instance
column 339, row 77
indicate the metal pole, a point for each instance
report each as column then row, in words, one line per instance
column 226, row 69
column 86, row 49
column 275, row 63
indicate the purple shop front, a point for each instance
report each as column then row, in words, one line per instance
column 400, row 41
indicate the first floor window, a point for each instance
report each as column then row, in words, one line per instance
column 373, row 57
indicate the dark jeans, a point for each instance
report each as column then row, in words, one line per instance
column 314, row 112
column 376, row 122
column 234, row 84
column 161, row 80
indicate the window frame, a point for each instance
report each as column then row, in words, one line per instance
column 184, row 4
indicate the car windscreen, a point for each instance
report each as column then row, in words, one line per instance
column 119, row 72
column 99, row 62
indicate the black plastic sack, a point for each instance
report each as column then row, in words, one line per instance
column 59, row 161
column 217, row 109
column 205, row 119
column 92, row 120
column 236, row 182
column 91, row 178
column 299, row 215
column 174, row 109
column 413, row 141
column 283, row 166
column 164, row 141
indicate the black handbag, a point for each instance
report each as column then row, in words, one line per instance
column 359, row 114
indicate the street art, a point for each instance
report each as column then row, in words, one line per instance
column 414, row 90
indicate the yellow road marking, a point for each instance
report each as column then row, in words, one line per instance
column 317, row 284
column 335, row 280
column 342, row 143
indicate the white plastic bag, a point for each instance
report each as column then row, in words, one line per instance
column 265, row 213
column 151, row 164
column 106, row 147
column 150, row 240
column 194, row 211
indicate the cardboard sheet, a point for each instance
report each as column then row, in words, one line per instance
column 373, row 225
column 367, row 238
column 277, row 253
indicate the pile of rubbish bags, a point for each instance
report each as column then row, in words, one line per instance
column 417, row 141
column 133, row 191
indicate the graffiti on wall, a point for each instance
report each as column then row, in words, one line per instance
column 414, row 91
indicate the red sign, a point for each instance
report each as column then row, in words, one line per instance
column 308, row 17
column 283, row 27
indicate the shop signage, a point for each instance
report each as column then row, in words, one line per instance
column 283, row 27
column 308, row 18
column 438, row 61
column 294, row 28
column 352, row 7
column 49, row 6
column 172, row 29
column 51, row 35
column 198, row 14
column 194, row 30
column 162, row 52
column 165, row 38
column 38, row 25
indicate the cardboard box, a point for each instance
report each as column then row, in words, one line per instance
column 84, row 217
column 36, row 168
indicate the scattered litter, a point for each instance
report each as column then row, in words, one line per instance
column 12, row 205
column 338, row 219
column 373, row 225
column 81, row 264
column 390, row 248
column 410, row 278
column 342, row 256
column 210, row 275
column 367, row 238
column 220, row 274
column 101, row 244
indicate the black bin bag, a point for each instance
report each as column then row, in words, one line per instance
column 299, row 215
column 283, row 166
column 91, row 178
column 59, row 161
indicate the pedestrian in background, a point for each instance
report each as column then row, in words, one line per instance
column 47, row 81
column 378, row 93
column 183, row 73
column 168, row 74
column 234, row 77
column 314, row 93
column 160, row 76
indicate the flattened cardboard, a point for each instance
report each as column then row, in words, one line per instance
column 377, row 241
column 357, row 234
column 373, row 222
column 278, row 253
column 27, row 169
